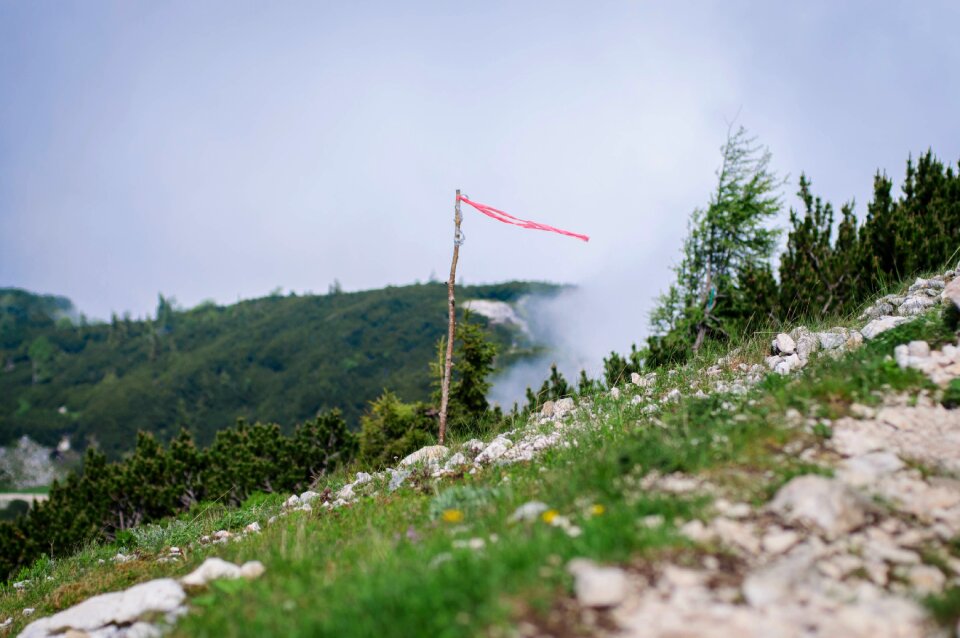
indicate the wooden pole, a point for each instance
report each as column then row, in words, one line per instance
column 452, row 326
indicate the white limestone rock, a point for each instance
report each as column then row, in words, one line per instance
column 251, row 570
column 564, row 406
column 211, row 569
column 784, row 344
column 951, row 294
column 308, row 497
column 497, row 448
column 111, row 610
column 823, row 502
column 916, row 305
column 878, row 326
column 528, row 512
column 428, row 454
column 595, row 586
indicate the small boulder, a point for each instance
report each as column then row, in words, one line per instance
column 455, row 461
column 397, row 478
column 309, row 496
column 497, row 448
column 211, row 569
column 918, row 349
column 597, row 586
column 916, row 305
column 823, row 502
column 951, row 294
column 110, row 611
column 832, row 339
column 784, row 344
column 807, row 344
column 878, row 326
column 564, row 406
column 951, row 302
column 251, row 570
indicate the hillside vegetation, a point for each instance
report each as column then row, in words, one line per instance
column 280, row 359
column 673, row 481
column 759, row 468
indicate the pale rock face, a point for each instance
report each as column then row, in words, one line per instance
column 111, row 610
column 916, row 305
column 498, row 312
column 428, row 454
column 597, row 586
column 826, row 503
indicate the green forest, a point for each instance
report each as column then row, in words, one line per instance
column 278, row 359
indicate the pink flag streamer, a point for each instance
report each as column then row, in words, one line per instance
column 506, row 218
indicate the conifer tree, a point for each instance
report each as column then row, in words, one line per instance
column 726, row 242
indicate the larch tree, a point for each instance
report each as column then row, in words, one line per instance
column 728, row 243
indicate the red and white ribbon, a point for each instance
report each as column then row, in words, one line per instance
column 506, row 218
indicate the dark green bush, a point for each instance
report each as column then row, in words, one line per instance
column 154, row 482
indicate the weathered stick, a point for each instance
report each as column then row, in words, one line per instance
column 451, row 331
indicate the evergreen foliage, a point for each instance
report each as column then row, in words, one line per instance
column 617, row 369
column 554, row 387
column 726, row 251
column 819, row 275
column 155, row 482
column 828, row 266
column 282, row 359
column 827, row 270
column 391, row 429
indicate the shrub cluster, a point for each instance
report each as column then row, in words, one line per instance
column 725, row 283
column 155, row 482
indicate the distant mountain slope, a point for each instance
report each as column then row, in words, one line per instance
column 279, row 359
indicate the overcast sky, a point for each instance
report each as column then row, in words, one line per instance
column 222, row 149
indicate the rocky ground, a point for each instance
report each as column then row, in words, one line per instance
column 842, row 555
column 846, row 549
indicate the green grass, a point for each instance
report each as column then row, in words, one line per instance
column 945, row 607
column 392, row 564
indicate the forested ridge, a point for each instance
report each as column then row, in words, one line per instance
column 278, row 359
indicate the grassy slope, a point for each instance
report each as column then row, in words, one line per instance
column 388, row 565
column 278, row 359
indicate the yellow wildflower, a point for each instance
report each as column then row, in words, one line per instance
column 549, row 516
column 597, row 509
column 452, row 516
